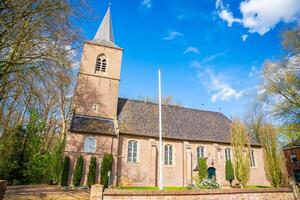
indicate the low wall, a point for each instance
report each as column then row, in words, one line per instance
column 224, row 194
column 3, row 185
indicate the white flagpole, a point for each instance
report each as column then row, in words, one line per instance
column 161, row 182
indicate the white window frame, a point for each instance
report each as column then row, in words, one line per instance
column 169, row 156
column 90, row 144
column 252, row 158
column 132, row 157
column 227, row 154
column 293, row 156
column 200, row 152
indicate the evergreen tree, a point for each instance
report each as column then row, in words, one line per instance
column 78, row 171
column 65, row 171
column 202, row 169
column 92, row 172
column 106, row 167
column 229, row 171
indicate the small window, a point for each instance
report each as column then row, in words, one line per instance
column 200, row 152
column 98, row 64
column 90, row 144
column 228, row 154
column 95, row 107
column 168, row 155
column 132, row 151
column 252, row 159
column 293, row 158
column 103, row 69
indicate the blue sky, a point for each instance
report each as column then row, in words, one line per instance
column 210, row 52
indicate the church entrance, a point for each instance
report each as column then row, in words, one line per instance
column 211, row 172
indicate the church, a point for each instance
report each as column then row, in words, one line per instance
column 103, row 122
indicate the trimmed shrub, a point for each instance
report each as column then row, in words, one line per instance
column 229, row 171
column 209, row 184
column 202, row 169
column 78, row 171
column 92, row 172
column 106, row 166
column 65, row 171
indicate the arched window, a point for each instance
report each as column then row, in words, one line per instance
column 252, row 159
column 200, row 152
column 132, row 151
column 228, row 154
column 103, row 69
column 101, row 64
column 168, row 155
column 90, row 144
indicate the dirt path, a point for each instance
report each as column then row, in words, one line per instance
column 45, row 192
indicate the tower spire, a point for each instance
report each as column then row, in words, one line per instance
column 104, row 34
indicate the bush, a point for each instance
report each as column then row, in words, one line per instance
column 106, row 167
column 229, row 171
column 202, row 169
column 209, row 184
column 65, row 171
column 92, row 172
column 78, row 171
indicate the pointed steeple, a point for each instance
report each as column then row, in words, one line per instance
column 104, row 34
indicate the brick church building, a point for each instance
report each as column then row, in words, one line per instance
column 128, row 129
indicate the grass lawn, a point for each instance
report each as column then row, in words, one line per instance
column 153, row 188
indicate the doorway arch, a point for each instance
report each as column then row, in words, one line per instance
column 211, row 171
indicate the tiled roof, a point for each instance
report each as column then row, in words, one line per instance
column 141, row 118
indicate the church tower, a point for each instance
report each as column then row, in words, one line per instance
column 99, row 76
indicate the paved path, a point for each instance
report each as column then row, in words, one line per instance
column 45, row 192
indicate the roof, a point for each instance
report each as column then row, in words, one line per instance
column 141, row 118
column 293, row 144
column 104, row 35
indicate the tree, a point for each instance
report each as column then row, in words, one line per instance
column 77, row 175
column 241, row 151
column 92, row 172
column 106, row 167
column 229, row 173
column 273, row 158
column 65, row 171
column 202, row 169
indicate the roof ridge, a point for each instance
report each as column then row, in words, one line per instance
column 180, row 107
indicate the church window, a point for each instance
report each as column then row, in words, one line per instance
column 168, row 155
column 200, row 152
column 252, row 159
column 95, row 107
column 90, row 144
column 98, row 64
column 132, row 151
column 103, row 69
column 228, row 154
column 293, row 158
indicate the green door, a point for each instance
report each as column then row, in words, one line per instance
column 211, row 172
column 297, row 176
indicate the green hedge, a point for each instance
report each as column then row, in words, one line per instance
column 65, row 171
column 106, row 166
column 92, row 172
column 229, row 171
column 78, row 171
column 202, row 169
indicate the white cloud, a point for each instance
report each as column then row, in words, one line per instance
column 244, row 37
column 260, row 16
column 191, row 50
column 254, row 72
column 221, row 90
column 228, row 17
column 212, row 57
column 173, row 35
column 147, row 4
column 195, row 64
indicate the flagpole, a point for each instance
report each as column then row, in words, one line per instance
column 161, row 183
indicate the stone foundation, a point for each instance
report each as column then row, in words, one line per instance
column 224, row 194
